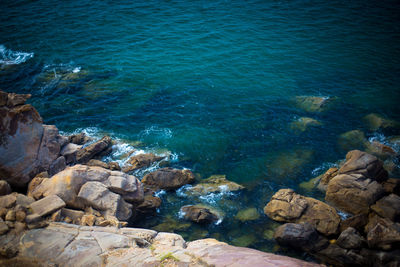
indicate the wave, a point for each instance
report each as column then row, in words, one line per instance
column 9, row 57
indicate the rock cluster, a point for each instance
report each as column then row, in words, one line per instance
column 361, row 188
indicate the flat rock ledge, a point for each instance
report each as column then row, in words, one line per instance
column 61, row 244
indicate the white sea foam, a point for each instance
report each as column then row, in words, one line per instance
column 156, row 131
column 9, row 57
column 181, row 192
column 322, row 168
column 343, row 215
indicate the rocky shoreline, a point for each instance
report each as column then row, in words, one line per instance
column 60, row 204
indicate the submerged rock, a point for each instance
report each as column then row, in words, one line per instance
column 168, row 178
column 249, row 214
column 214, row 184
column 352, row 140
column 313, row 103
column 375, row 121
column 287, row 206
column 303, row 123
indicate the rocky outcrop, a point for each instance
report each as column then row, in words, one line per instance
column 214, row 184
column 168, row 178
column 287, row 206
column 68, row 245
column 80, row 186
column 27, row 147
column 140, row 161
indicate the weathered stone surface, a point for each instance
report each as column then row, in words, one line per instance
column 98, row 163
column 287, row 206
column 392, row 185
column 47, row 205
column 313, row 103
column 199, row 214
column 3, row 228
column 85, row 154
column 69, row 151
column 388, row 207
column 353, row 193
column 5, row 188
column 384, row 235
column 168, row 178
column 140, row 161
column 57, row 165
column 150, row 204
column 326, row 177
column 350, row 239
column 97, row 195
column 358, row 162
column 8, row 201
column 17, row 99
column 300, row 236
column 113, row 184
column 213, row 184
column 79, row 139
column 74, row 215
column 357, row 221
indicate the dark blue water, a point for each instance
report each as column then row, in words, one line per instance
column 211, row 81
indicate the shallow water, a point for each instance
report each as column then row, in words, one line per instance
column 211, row 81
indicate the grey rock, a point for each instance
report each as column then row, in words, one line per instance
column 47, row 205
column 58, row 165
column 350, row 239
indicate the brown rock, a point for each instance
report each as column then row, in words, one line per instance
column 10, row 216
column 150, row 204
column 392, row 185
column 199, row 214
column 328, row 175
column 69, row 151
column 75, row 215
column 33, row 184
column 5, row 188
column 350, row 239
column 20, row 215
column 17, row 99
column 79, row 139
column 85, row 154
column 140, row 161
column 19, row 227
column 56, row 216
column 8, row 201
column 88, row 220
column 99, row 163
column 3, row 226
column 114, row 166
column 47, row 205
column 337, row 256
column 384, row 235
column 287, row 206
column 215, row 184
column 358, row 162
column 380, row 150
column 58, row 165
column 168, row 178
column 388, row 207
column 3, row 98
column 353, row 193
column 357, row 221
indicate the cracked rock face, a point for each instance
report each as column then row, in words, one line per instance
column 26, row 146
column 83, row 186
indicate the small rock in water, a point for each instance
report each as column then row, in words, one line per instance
column 352, row 140
column 249, row 214
column 303, row 123
column 313, row 103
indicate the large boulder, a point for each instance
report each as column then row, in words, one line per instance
column 81, row 186
column 287, row 206
column 358, row 162
column 27, row 147
column 168, row 178
column 353, row 193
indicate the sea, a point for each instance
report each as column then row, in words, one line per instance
column 214, row 86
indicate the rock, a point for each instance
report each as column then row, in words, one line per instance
column 98, row 163
column 384, row 235
column 352, row 140
column 24, row 201
column 215, row 184
column 353, row 193
column 17, row 99
column 56, row 216
column 199, row 214
column 88, row 220
column 170, row 224
column 326, row 177
column 116, row 185
column 140, row 161
column 20, row 215
column 33, row 184
column 358, row 162
column 149, row 205
column 74, row 215
column 97, row 195
column 3, row 98
column 8, row 201
column 69, row 151
column 303, row 123
column 79, row 139
column 350, row 239
column 26, row 146
column 10, row 216
column 388, row 207
column 313, row 103
column 85, row 154
column 287, row 206
column 3, row 228
column 5, row 188
column 58, row 165
column 300, row 236
column 114, row 166
column 249, row 214
column 380, row 150
column 168, row 178
column 310, row 184
column 357, row 221
column 47, row 205
column 244, row 240
column 391, row 185
column 337, row 256
column 375, row 121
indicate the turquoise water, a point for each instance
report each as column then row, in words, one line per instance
column 211, row 81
